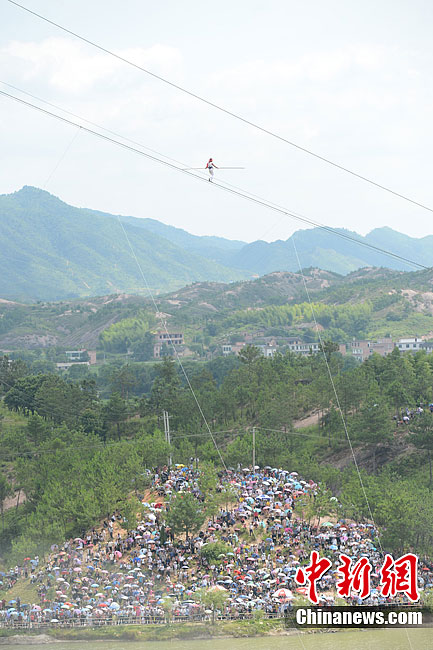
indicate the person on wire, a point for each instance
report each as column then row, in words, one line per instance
column 210, row 166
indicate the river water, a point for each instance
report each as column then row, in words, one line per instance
column 400, row 639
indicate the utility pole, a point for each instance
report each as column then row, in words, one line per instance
column 195, row 453
column 167, row 432
column 254, row 447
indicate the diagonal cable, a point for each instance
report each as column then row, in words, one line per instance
column 225, row 187
column 164, row 324
column 225, row 110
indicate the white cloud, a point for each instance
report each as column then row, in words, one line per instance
column 69, row 67
column 320, row 67
column 365, row 105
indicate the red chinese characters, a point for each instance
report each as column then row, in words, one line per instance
column 315, row 570
column 399, row 576
column 396, row 576
column 356, row 578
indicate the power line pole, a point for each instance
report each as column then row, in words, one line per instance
column 167, row 432
column 254, row 447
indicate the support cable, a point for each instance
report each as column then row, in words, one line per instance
column 219, row 185
column 334, row 390
column 225, row 110
column 164, row 325
column 62, row 157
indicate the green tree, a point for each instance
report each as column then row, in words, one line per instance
column 396, row 513
column 304, row 507
column 123, row 380
column 323, row 504
column 165, row 388
column 213, row 598
column 249, row 355
column 22, row 396
column 143, row 349
column 208, row 484
column 213, row 551
column 90, row 421
column 37, row 429
column 422, row 428
column 186, row 514
column 115, row 412
column 328, row 348
column 129, row 509
column 374, row 425
column 10, row 372
column 78, row 371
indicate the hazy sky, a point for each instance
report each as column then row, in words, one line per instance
column 351, row 81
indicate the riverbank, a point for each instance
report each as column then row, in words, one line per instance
column 179, row 631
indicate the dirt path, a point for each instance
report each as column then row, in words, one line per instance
column 311, row 419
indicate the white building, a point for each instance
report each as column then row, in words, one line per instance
column 268, row 351
column 75, row 355
column 409, row 345
column 167, row 338
column 304, row 348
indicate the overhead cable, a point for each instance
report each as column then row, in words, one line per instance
column 225, row 110
column 225, row 187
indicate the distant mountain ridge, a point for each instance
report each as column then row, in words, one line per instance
column 51, row 251
column 54, row 251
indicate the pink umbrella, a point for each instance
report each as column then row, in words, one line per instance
column 283, row 594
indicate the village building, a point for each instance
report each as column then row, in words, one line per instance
column 268, row 351
column 304, row 349
column 166, row 338
column 76, row 355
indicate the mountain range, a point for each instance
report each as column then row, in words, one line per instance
column 54, row 251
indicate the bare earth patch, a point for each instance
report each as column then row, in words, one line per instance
column 309, row 421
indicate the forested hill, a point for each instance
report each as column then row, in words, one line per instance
column 367, row 303
column 53, row 251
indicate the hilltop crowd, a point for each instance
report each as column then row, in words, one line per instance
column 113, row 574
